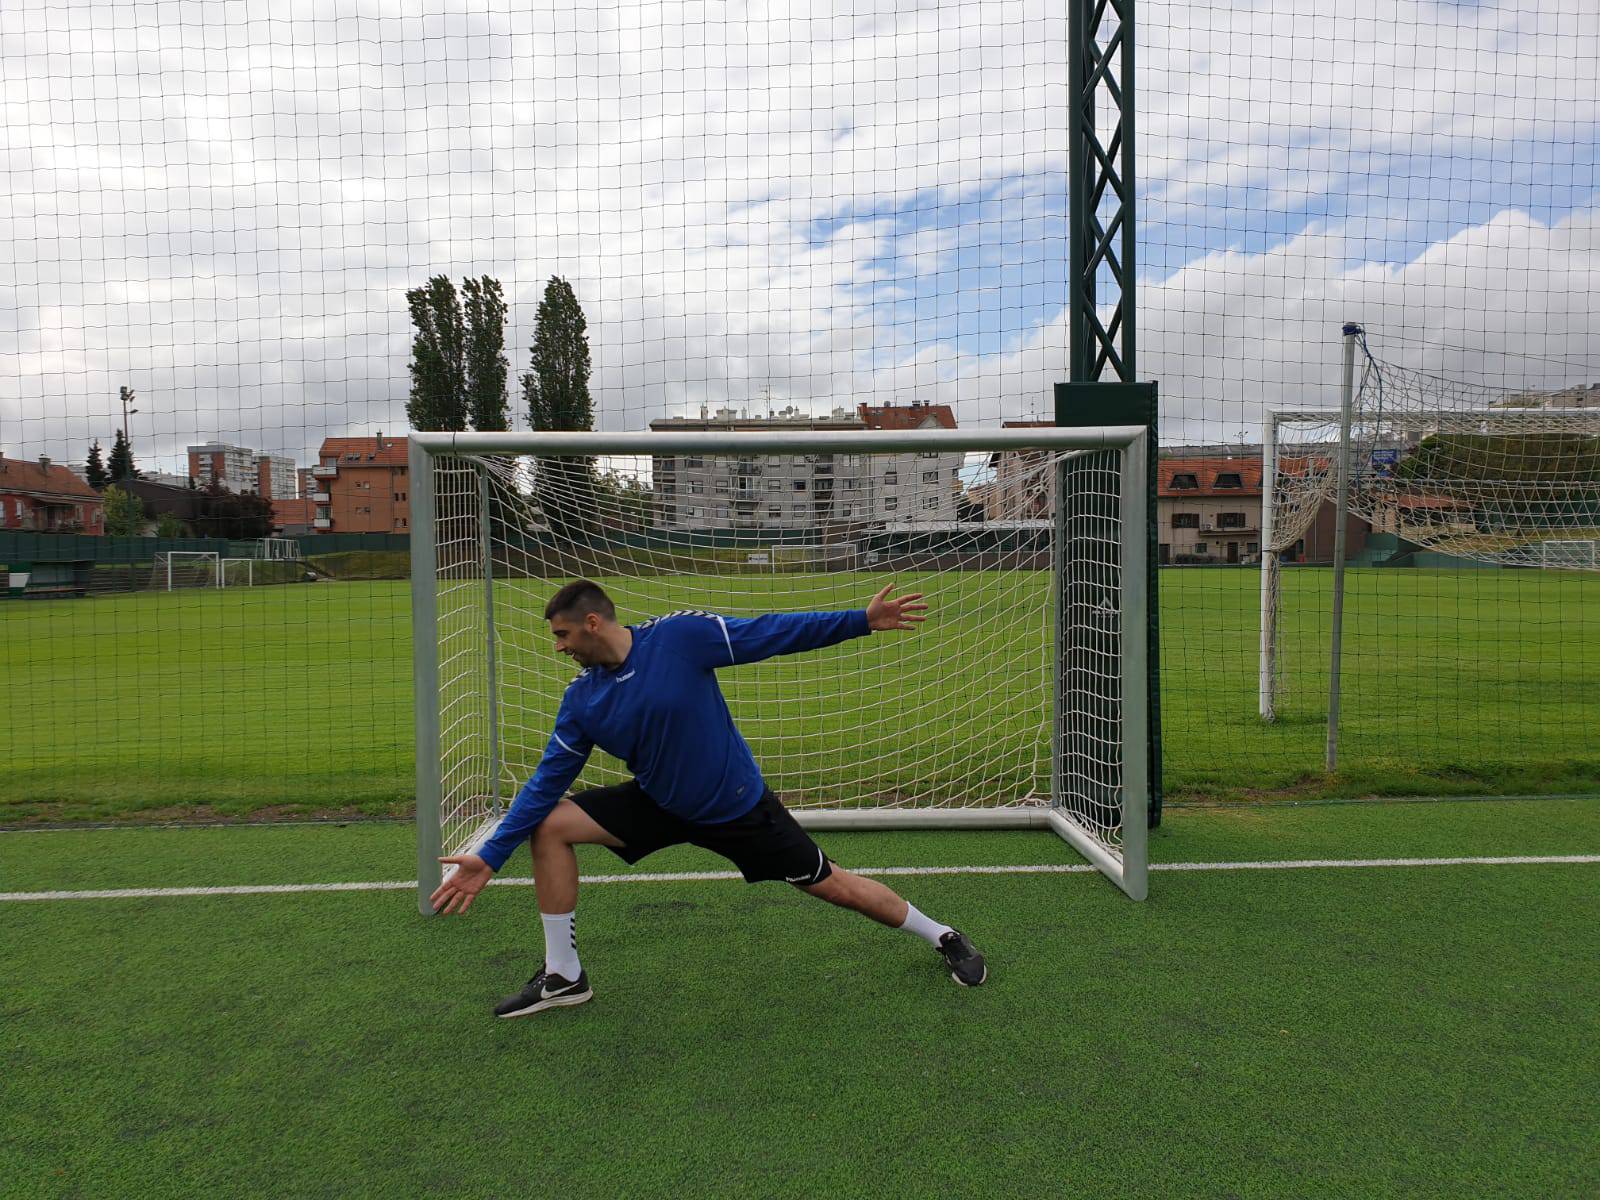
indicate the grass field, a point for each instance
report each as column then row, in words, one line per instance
column 1417, row 1031
column 296, row 699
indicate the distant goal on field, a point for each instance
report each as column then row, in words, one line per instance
column 1021, row 703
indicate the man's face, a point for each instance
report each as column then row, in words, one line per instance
column 577, row 637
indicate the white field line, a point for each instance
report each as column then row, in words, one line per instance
column 399, row 885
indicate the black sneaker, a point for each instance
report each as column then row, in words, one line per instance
column 965, row 963
column 546, row 991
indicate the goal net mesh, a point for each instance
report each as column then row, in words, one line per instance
column 1440, row 470
column 957, row 714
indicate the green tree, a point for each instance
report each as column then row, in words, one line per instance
column 225, row 514
column 121, row 466
column 556, row 390
column 486, row 367
column 438, row 368
column 623, row 503
column 169, row 526
column 95, row 469
column 124, row 512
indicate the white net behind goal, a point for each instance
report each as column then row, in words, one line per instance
column 1441, row 472
column 972, row 713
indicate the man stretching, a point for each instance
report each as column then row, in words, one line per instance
column 648, row 695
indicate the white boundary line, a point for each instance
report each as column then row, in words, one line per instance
column 398, row 885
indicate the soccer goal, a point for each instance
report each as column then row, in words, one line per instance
column 1021, row 703
column 237, row 572
column 274, row 549
column 187, row 569
column 1440, row 472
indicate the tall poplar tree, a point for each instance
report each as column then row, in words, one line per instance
column 556, row 390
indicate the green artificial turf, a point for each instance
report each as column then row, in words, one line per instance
column 297, row 699
column 1330, row 1032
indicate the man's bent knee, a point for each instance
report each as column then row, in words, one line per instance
column 569, row 825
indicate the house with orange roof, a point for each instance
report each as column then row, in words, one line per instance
column 41, row 497
column 361, row 485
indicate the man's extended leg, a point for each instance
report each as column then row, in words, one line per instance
column 555, row 878
column 872, row 899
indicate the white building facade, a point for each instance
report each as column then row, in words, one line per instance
column 787, row 492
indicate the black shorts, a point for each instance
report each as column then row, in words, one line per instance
column 766, row 843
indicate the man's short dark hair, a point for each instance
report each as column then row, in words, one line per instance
column 578, row 599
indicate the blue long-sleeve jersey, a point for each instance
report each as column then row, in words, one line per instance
column 662, row 713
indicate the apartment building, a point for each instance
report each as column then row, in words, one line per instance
column 276, row 477
column 233, row 467
column 778, row 491
column 360, row 485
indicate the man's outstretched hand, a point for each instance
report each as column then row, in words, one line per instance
column 471, row 876
column 886, row 612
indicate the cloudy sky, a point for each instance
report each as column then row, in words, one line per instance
column 221, row 203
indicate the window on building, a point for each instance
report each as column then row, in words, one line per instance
column 1229, row 479
column 1184, row 482
column 891, row 477
column 399, row 522
column 697, row 487
column 774, row 512
column 399, row 495
column 930, row 477
column 693, row 461
column 930, row 502
column 799, row 485
column 929, row 454
column 799, row 510
column 774, row 485
column 1252, row 547
column 1186, row 520
column 1201, row 548
column 722, row 487
column 1233, row 520
column 667, row 462
column 722, row 512
column 890, row 503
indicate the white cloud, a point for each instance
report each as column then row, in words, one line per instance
column 222, row 204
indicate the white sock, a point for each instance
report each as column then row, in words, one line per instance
column 924, row 927
column 560, row 945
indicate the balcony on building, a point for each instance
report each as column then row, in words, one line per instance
column 319, row 497
column 321, row 523
column 325, row 471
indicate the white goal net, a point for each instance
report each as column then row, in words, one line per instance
column 175, row 569
column 1006, row 708
column 1439, row 471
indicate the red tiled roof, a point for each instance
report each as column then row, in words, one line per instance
column 910, row 416
column 392, row 452
column 1205, row 472
column 25, row 475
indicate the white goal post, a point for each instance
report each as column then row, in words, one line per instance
column 1022, row 703
column 170, row 578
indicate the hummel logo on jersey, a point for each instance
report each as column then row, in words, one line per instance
column 624, row 678
column 682, row 612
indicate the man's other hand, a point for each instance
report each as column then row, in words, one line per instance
column 886, row 612
column 471, row 876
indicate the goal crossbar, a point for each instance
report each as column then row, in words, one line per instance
column 1100, row 808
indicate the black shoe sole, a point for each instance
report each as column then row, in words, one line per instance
column 551, row 1002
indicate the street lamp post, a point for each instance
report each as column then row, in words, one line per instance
column 127, row 399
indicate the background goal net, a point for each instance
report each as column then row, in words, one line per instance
column 1008, row 708
column 1441, row 474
